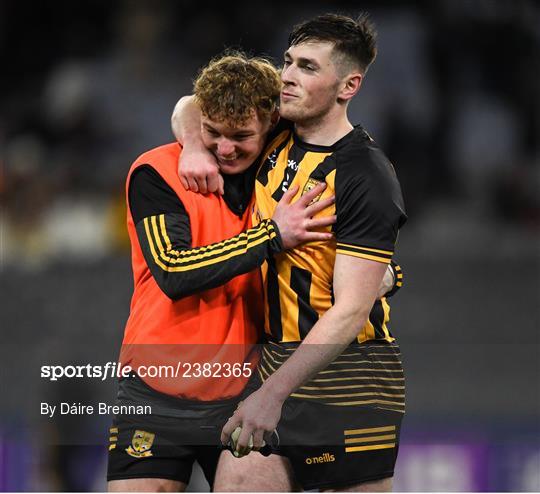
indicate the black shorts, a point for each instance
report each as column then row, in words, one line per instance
column 165, row 444
column 334, row 446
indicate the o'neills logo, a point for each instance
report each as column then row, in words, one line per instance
column 325, row 458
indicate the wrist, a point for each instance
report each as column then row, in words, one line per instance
column 276, row 245
column 275, row 389
column 193, row 142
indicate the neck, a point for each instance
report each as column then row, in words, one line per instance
column 325, row 130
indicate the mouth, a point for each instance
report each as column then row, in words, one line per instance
column 227, row 161
column 287, row 96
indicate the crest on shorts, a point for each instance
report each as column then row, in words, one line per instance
column 311, row 182
column 141, row 444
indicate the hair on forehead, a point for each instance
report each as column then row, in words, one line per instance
column 234, row 85
column 354, row 39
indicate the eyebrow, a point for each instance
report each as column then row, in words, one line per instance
column 244, row 133
column 301, row 60
column 236, row 133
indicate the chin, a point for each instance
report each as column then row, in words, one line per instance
column 234, row 169
column 290, row 113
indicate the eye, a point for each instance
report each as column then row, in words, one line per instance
column 212, row 132
column 242, row 137
column 286, row 63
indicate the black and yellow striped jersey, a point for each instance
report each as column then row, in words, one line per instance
column 367, row 374
column 369, row 209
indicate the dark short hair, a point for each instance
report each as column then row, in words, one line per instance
column 355, row 40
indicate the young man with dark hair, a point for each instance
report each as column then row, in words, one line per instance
column 330, row 380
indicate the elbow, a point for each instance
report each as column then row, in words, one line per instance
column 358, row 317
column 175, row 113
column 353, row 315
column 171, row 293
column 176, row 286
column 174, row 291
column 181, row 103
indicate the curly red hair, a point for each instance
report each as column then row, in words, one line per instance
column 232, row 86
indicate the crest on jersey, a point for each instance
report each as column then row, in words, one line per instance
column 311, row 182
column 140, row 444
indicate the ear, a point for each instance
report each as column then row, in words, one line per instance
column 350, row 86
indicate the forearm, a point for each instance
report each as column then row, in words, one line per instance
column 186, row 122
column 355, row 286
column 332, row 333
column 181, row 271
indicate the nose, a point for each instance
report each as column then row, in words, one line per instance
column 225, row 148
column 287, row 74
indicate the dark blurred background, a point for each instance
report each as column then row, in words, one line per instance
column 453, row 98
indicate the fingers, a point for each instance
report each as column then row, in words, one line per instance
column 203, row 178
column 258, row 440
column 315, row 223
column 228, row 429
column 237, row 449
column 184, row 182
column 215, row 183
column 221, row 185
column 203, row 185
column 211, row 184
column 244, row 444
column 317, row 237
column 312, row 194
column 287, row 197
column 192, row 185
column 318, row 206
column 183, row 178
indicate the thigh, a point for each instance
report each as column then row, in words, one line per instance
column 208, row 457
column 340, row 447
column 142, row 452
column 254, row 473
column 382, row 485
column 146, row 485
